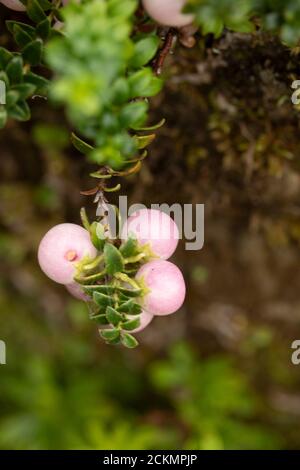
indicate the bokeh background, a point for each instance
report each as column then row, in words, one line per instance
column 218, row 374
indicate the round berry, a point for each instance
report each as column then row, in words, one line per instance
column 153, row 227
column 61, row 248
column 166, row 287
column 76, row 290
column 14, row 5
column 168, row 12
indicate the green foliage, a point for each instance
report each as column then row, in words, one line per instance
column 280, row 16
column 16, row 67
column 214, row 15
column 214, row 399
column 97, row 77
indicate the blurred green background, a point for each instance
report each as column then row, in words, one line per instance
column 218, row 374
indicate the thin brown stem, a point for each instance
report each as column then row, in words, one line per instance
column 164, row 51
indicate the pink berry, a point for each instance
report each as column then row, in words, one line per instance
column 76, row 290
column 166, row 287
column 14, row 5
column 168, row 12
column 153, row 227
column 145, row 319
column 61, row 248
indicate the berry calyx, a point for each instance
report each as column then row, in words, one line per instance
column 165, row 287
column 62, row 248
column 154, row 228
column 168, row 12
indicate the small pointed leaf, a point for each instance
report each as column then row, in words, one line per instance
column 113, row 259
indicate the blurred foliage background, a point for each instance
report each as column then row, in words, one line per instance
column 218, row 374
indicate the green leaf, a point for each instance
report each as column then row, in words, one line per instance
column 144, row 51
column 130, row 292
column 110, row 335
column 100, row 318
column 113, row 316
column 97, row 233
column 129, row 248
column 120, row 91
column 32, row 53
column 34, row 11
column 29, row 30
column 130, row 307
column 24, row 90
column 3, row 116
column 5, row 57
column 21, row 35
column 129, row 341
column 14, row 70
column 134, row 114
column 144, row 83
column 121, row 10
column 80, row 145
column 113, row 259
column 154, row 127
column 131, row 324
column 12, row 98
column 20, row 112
column 102, row 300
column 43, row 29
column 144, row 140
column 41, row 83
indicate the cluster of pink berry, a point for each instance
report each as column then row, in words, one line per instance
column 138, row 268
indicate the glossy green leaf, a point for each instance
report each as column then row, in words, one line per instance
column 113, row 259
column 24, row 90
column 113, row 316
column 129, row 341
column 144, row 50
column 97, row 233
column 131, row 324
column 80, row 145
column 14, row 70
column 34, row 11
column 20, row 112
column 32, row 53
column 43, row 29
column 110, row 335
column 101, row 299
column 129, row 248
column 41, row 83
column 21, row 34
column 5, row 57
column 134, row 114
column 100, row 319
column 144, row 83
column 130, row 307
